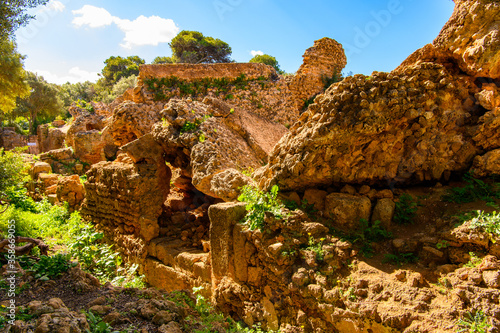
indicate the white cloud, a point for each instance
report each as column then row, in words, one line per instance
column 74, row 75
column 254, row 53
column 56, row 6
column 147, row 31
column 94, row 17
column 143, row 30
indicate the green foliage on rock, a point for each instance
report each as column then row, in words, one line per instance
column 475, row 189
column 258, row 203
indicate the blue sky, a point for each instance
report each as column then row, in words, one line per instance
column 70, row 39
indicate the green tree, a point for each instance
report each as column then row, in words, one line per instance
column 192, row 47
column 12, row 76
column 42, row 104
column 118, row 67
column 119, row 88
column 12, row 173
column 69, row 93
column 268, row 60
column 13, row 15
column 164, row 60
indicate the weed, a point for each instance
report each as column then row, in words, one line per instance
column 399, row 259
column 202, row 138
column 97, row 325
column 488, row 222
column 258, row 203
column 476, row 189
column 193, row 126
column 442, row 244
column 366, row 235
column 406, row 209
column 474, row 260
column 53, row 266
column 316, row 247
column 477, row 323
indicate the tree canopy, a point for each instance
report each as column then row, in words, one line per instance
column 13, row 15
column 43, row 102
column 118, row 67
column 164, row 60
column 12, row 76
column 268, row 60
column 192, row 47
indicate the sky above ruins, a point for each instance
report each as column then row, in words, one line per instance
column 70, row 39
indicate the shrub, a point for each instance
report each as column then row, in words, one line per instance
column 406, row 209
column 488, row 222
column 476, row 189
column 258, row 204
column 53, row 266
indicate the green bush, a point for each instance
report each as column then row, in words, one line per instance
column 406, row 209
column 53, row 266
column 488, row 222
column 93, row 254
column 258, row 203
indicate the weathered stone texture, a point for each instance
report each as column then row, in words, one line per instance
column 131, row 121
column 230, row 139
column 125, row 200
column 323, row 61
column 384, row 128
column 190, row 72
column 50, row 138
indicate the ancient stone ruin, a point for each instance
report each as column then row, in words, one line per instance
column 166, row 164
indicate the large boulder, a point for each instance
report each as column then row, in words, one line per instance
column 470, row 39
column 382, row 129
column 205, row 139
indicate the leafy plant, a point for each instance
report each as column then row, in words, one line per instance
column 53, row 266
column 97, row 325
column 316, row 247
column 473, row 323
column 399, row 259
column 406, row 209
column 85, row 105
column 476, row 189
column 474, row 260
column 93, row 255
column 258, row 203
column 193, row 126
column 442, row 244
column 366, row 235
column 488, row 222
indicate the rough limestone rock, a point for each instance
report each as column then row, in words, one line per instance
column 50, row 138
column 322, row 61
column 226, row 184
column 84, row 122
column 470, row 39
column 488, row 164
column 386, row 128
column 346, row 210
column 38, row 168
column 125, row 199
column 10, row 139
column 131, row 121
column 473, row 38
column 70, row 189
column 205, row 139
column 89, row 146
column 384, row 212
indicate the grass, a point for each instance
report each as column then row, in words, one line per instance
column 473, row 323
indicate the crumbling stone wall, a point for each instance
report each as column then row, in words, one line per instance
column 125, row 199
column 50, row 138
column 326, row 59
